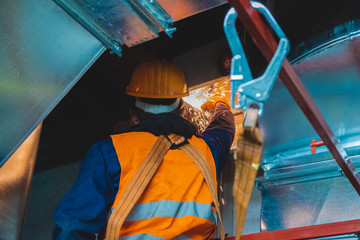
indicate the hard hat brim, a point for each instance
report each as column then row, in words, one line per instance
column 137, row 94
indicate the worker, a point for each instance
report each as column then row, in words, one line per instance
column 176, row 204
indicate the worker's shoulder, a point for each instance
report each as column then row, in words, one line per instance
column 199, row 142
column 196, row 138
column 102, row 149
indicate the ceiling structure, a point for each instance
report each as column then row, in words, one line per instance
column 97, row 104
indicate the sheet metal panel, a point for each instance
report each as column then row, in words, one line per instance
column 308, row 203
column 131, row 22
column 114, row 22
column 15, row 181
column 300, row 188
column 332, row 78
column 330, row 231
column 43, row 52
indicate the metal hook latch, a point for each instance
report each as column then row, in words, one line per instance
column 251, row 90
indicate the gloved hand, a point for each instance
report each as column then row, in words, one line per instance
column 210, row 104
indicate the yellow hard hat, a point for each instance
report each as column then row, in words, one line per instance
column 157, row 79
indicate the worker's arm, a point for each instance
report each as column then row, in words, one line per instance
column 219, row 135
column 83, row 210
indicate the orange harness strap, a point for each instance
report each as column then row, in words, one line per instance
column 144, row 175
column 200, row 161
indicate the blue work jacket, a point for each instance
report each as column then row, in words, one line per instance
column 83, row 212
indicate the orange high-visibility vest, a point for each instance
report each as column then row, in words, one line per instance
column 177, row 203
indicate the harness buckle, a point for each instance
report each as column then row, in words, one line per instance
column 176, row 140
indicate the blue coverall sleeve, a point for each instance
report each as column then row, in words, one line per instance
column 219, row 135
column 83, row 211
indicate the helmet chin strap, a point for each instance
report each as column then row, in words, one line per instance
column 156, row 108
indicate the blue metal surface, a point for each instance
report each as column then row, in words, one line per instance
column 347, row 236
column 324, row 40
column 332, row 78
column 252, row 90
column 131, row 22
column 300, row 188
column 43, row 52
column 308, row 203
column 164, row 20
column 297, row 164
column 115, row 23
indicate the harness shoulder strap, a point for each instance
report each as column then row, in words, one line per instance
column 201, row 162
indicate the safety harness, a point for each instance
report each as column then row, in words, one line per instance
column 145, row 173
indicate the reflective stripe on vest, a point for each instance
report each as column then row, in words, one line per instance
column 174, row 204
column 152, row 237
column 165, row 208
